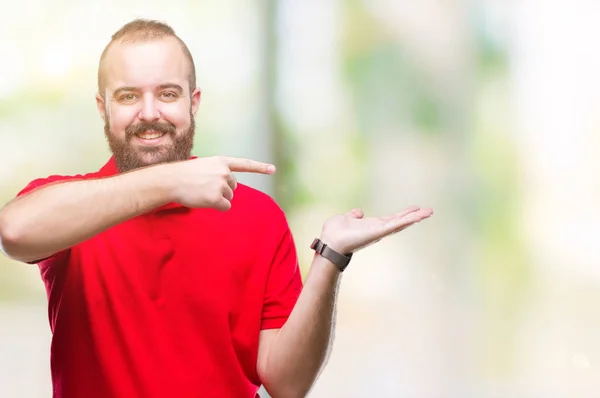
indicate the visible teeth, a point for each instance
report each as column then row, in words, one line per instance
column 150, row 136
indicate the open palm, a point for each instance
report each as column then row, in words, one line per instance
column 352, row 231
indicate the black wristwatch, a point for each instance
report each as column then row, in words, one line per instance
column 340, row 260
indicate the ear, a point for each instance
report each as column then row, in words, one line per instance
column 100, row 103
column 195, row 100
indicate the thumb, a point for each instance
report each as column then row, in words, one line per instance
column 356, row 213
column 223, row 205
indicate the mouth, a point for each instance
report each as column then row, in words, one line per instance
column 150, row 135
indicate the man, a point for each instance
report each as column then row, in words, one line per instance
column 161, row 282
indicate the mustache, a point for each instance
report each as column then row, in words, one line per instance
column 166, row 128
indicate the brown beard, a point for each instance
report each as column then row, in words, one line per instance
column 128, row 157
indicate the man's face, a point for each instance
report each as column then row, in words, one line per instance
column 148, row 109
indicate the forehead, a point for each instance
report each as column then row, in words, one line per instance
column 146, row 64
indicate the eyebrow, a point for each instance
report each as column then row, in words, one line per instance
column 164, row 86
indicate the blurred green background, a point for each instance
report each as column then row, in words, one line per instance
column 484, row 110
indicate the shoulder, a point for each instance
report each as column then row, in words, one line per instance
column 109, row 169
column 250, row 199
column 257, row 209
column 54, row 179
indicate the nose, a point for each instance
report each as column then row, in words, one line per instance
column 149, row 111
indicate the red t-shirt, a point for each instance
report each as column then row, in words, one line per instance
column 170, row 303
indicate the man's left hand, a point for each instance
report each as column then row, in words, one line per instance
column 350, row 232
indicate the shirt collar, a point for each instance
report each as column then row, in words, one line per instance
column 110, row 168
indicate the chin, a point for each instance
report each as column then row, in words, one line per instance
column 158, row 158
column 153, row 160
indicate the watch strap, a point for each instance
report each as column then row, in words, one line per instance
column 340, row 260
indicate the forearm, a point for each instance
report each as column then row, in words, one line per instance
column 61, row 215
column 301, row 347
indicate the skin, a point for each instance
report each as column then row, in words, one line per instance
column 291, row 359
column 147, row 91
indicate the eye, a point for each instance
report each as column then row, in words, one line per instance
column 128, row 97
column 169, row 95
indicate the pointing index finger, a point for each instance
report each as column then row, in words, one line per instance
column 249, row 165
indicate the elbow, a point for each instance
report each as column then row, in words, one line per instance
column 287, row 392
column 10, row 238
column 291, row 389
column 282, row 382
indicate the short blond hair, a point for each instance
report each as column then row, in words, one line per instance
column 145, row 30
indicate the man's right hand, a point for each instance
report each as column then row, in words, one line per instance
column 209, row 181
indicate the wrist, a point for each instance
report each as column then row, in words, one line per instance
column 333, row 244
column 324, row 270
column 335, row 256
column 162, row 180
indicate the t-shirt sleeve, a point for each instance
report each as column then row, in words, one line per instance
column 284, row 282
column 41, row 182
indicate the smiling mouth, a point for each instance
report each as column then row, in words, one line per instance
column 150, row 135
